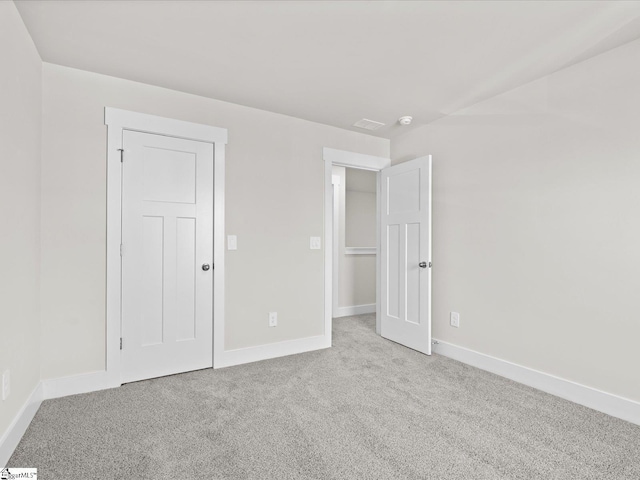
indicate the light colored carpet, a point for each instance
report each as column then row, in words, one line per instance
column 366, row 408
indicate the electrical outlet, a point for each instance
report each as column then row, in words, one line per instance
column 6, row 384
column 455, row 319
column 273, row 319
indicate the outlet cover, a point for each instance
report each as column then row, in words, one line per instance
column 455, row 319
column 273, row 319
column 6, row 384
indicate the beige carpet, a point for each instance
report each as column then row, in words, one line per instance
column 364, row 409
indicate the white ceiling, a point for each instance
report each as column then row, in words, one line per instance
column 332, row 62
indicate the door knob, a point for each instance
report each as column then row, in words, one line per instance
column 205, row 266
column 422, row 264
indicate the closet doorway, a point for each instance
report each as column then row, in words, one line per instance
column 354, row 241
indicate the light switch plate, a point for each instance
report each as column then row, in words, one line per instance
column 315, row 243
column 232, row 242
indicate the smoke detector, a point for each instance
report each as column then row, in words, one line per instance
column 368, row 124
column 406, row 120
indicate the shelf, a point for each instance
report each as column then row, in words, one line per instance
column 360, row 250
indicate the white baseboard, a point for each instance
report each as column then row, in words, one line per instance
column 18, row 427
column 608, row 403
column 46, row 389
column 274, row 350
column 356, row 310
column 73, row 385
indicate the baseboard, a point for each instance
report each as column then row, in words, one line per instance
column 608, row 403
column 18, row 427
column 274, row 350
column 356, row 310
column 73, row 385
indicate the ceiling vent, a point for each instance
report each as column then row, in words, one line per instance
column 368, row 124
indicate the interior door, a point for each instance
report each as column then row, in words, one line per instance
column 406, row 254
column 167, row 252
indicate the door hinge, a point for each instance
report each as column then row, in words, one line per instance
column 120, row 343
column 121, row 249
column 121, row 155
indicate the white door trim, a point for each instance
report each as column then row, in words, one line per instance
column 117, row 122
column 335, row 182
column 142, row 122
column 343, row 158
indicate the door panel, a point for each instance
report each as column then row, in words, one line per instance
column 169, row 176
column 413, row 273
column 186, row 278
column 393, row 278
column 167, row 234
column 152, row 287
column 404, row 192
column 405, row 285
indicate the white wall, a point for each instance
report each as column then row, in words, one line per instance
column 360, row 208
column 356, row 273
column 20, row 120
column 274, row 203
column 360, row 215
column 536, row 223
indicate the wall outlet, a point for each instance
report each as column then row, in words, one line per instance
column 6, row 384
column 455, row 319
column 315, row 243
column 273, row 319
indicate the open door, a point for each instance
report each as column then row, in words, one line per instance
column 405, row 225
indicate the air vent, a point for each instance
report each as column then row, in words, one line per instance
column 368, row 124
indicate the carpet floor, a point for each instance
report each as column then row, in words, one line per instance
column 365, row 409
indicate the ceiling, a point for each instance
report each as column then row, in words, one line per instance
column 332, row 62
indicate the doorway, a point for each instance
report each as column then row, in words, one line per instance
column 341, row 158
column 160, row 243
column 354, row 240
column 403, row 245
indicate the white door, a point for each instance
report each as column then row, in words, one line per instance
column 406, row 254
column 167, row 253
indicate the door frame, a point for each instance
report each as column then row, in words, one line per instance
column 117, row 122
column 343, row 158
column 335, row 244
